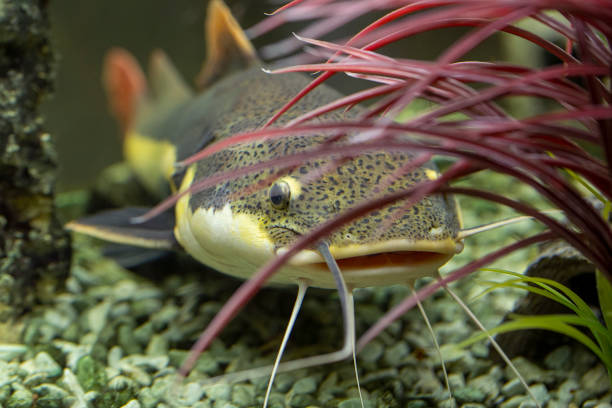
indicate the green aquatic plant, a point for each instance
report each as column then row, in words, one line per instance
column 582, row 317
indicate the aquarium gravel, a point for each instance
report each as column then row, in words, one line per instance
column 115, row 338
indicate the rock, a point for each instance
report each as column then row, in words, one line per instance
column 158, row 346
column 20, row 398
column 34, row 247
column 42, row 364
column 354, row 403
column 469, row 394
column 394, row 355
column 301, row 400
column 371, row 352
column 379, row 375
column 127, row 340
column 189, row 394
column 71, row 383
column 149, row 363
column 530, row 371
column 456, row 380
column 91, row 374
column 221, row 392
column 559, row 358
column 10, row 351
column 486, row 384
column 97, row 316
column 540, row 392
column 131, row 404
column 243, row 395
column 147, row 398
column 49, row 395
column 307, row 385
column 512, row 388
column 565, row 392
column 593, row 383
column 513, row 402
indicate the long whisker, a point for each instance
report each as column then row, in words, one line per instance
column 347, row 305
column 302, row 286
column 433, row 337
column 503, row 355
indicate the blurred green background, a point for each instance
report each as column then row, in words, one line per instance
column 77, row 115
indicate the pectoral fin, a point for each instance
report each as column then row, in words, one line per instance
column 129, row 256
column 116, row 226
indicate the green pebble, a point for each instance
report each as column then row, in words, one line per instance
column 49, row 395
column 469, row 394
column 145, row 307
column 91, row 374
column 177, row 357
column 371, row 352
column 380, row 375
column 276, row 400
column 132, row 404
column 513, row 402
column 201, row 404
column 301, row 400
column 158, row 345
column 147, row 398
column 243, row 395
column 355, row 403
column 143, row 333
column 5, row 391
column 416, row 404
column 44, row 364
column 72, row 333
column 21, row 398
column 221, row 392
column 120, row 391
column 306, row 385
column 396, row 353
column 127, row 340
column 512, row 388
column 206, row 364
column 161, row 386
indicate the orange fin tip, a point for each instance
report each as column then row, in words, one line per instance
column 125, row 85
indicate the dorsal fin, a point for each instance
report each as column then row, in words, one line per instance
column 166, row 83
column 227, row 46
column 125, row 86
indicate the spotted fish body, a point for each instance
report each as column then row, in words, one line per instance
column 235, row 226
column 220, row 221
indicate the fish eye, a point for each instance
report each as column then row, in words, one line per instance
column 280, row 194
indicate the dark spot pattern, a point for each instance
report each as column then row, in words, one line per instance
column 245, row 101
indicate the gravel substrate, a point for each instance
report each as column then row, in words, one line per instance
column 115, row 339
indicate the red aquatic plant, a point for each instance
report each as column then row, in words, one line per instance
column 573, row 137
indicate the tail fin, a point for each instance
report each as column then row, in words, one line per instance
column 125, row 85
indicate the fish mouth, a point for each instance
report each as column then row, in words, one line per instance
column 387, row 260
column 377, row 264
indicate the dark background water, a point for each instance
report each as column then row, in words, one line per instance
column 77, row 115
